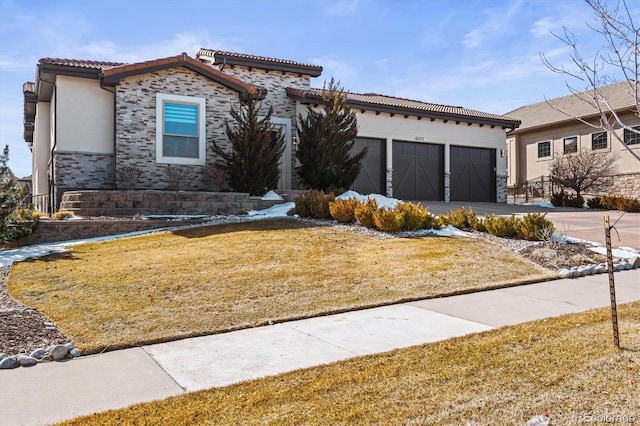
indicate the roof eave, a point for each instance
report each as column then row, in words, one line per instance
column 505, row 124
column 275, row 66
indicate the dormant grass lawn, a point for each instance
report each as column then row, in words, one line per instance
column 566, row 366
column 206, row 280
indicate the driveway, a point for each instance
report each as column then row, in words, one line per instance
column 585, row 224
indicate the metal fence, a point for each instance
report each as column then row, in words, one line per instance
column 532, row 190
column 40, row 202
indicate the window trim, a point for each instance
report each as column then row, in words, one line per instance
column 636, row 137
column 161, row 99
column 596, row 135
column 549, row 151
column 564, row 145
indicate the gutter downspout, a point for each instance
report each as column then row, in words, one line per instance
column 115, row 167
column 52, row 192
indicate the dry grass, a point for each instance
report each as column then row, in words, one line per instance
column 200, row 281
column 566, row 366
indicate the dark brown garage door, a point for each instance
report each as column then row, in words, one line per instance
column 473, row 174
column 371, row 179
column 418, row 171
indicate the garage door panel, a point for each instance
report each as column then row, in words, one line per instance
column 473, row 176
column 418, row 171
column 372, row 176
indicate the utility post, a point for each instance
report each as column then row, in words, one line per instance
column 612, row 286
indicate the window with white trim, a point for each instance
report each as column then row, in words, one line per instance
column 570, row 145
column 544, row 149
column 180, row 129
column 599, row 141
column 632, row 138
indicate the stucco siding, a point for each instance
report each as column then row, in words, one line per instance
column 84, row 116
column 41, row 149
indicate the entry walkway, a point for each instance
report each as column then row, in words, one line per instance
column 54, row 392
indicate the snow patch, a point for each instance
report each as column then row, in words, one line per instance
column 272, row 196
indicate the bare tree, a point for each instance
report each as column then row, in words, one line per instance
column 622, row 58
column 583, row 171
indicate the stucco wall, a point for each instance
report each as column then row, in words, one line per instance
column 136, row 124
column 41, row 149
column 529, row 166
column 84, row 116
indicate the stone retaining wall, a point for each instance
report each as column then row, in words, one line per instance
column 151, row 202
column 49, row 231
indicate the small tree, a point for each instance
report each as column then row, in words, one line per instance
column 11, row 196
column 619, row 26
column 252, row 164
column 326, row 142
column 583, row 171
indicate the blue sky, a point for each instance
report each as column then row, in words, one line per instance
column 482, row 55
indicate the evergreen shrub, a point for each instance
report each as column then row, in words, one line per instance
column 533, row 226
column 501, row 226
column 364, row 212
column 415, row 216
column 314, row 204
column 389, row 220
column 343, row 210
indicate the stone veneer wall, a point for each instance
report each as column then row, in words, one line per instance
column 74, row 170
column 150, row 202
column 136, row 124
column 49, row 231
column 501, row 189
column 626, row 185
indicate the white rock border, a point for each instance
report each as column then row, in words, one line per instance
column 52, row 353
column 632, row 262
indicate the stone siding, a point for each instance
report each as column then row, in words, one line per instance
column 149, row 202
column 275, row 82
column 501, row 189
column 78, row 170
column 136, row 125
column 49, row 231
column 626, row 185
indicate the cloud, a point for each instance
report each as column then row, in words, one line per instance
column 493, row 25
column 343, row 8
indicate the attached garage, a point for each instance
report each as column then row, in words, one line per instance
column 371, row 179
column 418, row 171
column 473, row 174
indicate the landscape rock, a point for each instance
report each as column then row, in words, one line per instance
column 38, row 353
column 69, row 346
column 58, row 352
column 601, row 269
column 565, row 273
column 27, row 361
column 626, row 265
column 8, row 363
column 75, row 352
column 634, row 261
column 3, row 356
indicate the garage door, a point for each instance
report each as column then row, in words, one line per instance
column 371, row 179
column 418, row 171
column 473, row 175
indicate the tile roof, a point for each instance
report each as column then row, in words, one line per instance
column 80, row 63
column 114, row 74
column 542, row 114
column 232, row 58
column 391, row 104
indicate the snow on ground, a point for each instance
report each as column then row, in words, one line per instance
column 383, row 202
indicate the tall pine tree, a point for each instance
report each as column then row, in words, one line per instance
column 252, row 163
column 326, row 145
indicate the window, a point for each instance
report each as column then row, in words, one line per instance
column 599, row 141
column 180, row 129
column 570, row 145
column 632, row 138
column 544, row 149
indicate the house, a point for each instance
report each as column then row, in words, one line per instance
column 88, row 122
column 549, row 130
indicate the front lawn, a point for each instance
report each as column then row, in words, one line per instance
column 206, row 280
column 566, row 366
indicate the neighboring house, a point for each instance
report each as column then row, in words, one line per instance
column 88, row 122
column 547, row 132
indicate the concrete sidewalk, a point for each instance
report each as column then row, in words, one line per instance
column 54, row 392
